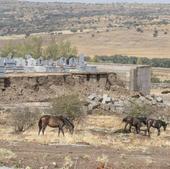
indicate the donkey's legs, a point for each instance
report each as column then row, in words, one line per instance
column 62, row 131
column 40, row 127
column 137, row 129
column 148, row 129
column 125, row 126
column 130, row 126
column 58, row 131
column 159, row 131
column 43, row 128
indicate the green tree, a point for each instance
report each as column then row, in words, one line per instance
column 139, row 61
column 7, row 49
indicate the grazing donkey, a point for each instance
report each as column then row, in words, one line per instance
column 55, row 122
column 132, row 121
column 156, row 124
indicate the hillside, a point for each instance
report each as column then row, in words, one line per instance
column 95, row 29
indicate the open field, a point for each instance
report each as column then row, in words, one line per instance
column 161, row 73
column 118, row 41
column 96, row 139
column 141, row 30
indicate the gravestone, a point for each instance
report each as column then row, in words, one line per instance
column 31, row 62
column 20, row 62
column 50, row 62
column 9, row 65
column 1, row 61
column 8, row 62
column 62, row 61
column 81, row 60
column 2, row 66
column 72, row 62
column 39, row 61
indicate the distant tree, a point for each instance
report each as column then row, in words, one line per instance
column 62, row 49
column 52, row 49
column 8, row 48
column 139, row 61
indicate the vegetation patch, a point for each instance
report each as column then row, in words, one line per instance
column 6, row 154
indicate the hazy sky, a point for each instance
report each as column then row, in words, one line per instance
column 105, row 1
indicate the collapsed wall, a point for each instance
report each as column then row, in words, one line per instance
column 135, row 77
column 20, row 88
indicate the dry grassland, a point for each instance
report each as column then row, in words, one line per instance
column 121, row 41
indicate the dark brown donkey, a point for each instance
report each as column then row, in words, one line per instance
column 133, row 121
column 55, row 122
column 156, row 124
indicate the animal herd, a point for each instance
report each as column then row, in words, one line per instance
column 148, row 122
column 137, row 122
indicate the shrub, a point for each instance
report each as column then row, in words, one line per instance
column 23, row 119
column 155, row 80
column 74, row 30
column 140, row 109
column 67, row 105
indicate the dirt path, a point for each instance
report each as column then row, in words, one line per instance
column 83, row 156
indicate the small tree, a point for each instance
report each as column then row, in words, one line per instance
column 23, row 119
column 140, row 109
column 67, row 105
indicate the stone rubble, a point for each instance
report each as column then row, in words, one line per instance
column 108, row 103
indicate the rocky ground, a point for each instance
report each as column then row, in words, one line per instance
column 150, row 105
column 38, row 156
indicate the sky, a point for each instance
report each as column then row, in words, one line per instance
column 105, row 1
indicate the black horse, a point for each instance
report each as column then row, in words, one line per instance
column 132, row 121
column 55, row 122
column 156, row 124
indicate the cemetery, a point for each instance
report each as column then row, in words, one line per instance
column 134, row 77
column 29, row 64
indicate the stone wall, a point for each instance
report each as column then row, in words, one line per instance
column 43, row 87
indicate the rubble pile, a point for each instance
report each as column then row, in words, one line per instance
column 118, row 105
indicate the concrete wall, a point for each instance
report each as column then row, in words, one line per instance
column 135, row 77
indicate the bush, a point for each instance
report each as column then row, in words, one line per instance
column 23, row 119
column 140, row 109
column 155, row 80
column 74, row 30
column 67, row 105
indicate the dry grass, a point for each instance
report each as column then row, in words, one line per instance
column 104, row 127
column 118, row 41
column 6, row 154
column 161, row 73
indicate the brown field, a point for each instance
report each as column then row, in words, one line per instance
column 161, row 73
column 96, row 140
column 117, row 41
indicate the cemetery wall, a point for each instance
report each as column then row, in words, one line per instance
column 43, row 87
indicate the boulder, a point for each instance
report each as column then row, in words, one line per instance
column 112, row 107
column 105, row 107
column 148, row 97
column 119, row 103
column 159, row 99
column 106, row 99
column 99, row 98
column 154, row 102
column 142, row 98
column 92, row 96
column 93, row 105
